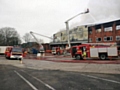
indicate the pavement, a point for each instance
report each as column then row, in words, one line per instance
column 67, row 64
column 11, row 62
column 78, row 67
column 69, row 59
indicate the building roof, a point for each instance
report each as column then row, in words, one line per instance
column 102, row 22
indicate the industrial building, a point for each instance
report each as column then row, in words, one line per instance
column 106, row 32
column 77, row 35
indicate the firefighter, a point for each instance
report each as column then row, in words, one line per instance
column 84, row 54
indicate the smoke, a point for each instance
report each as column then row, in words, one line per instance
column 100, row 11
column 104, row 9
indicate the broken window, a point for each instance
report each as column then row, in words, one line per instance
column 108, row 29
column 110, row 38
column 118, row 27
column 117, row 38
column 90, row 31
column 98, row 30
column 98, row 39
column 90, row 39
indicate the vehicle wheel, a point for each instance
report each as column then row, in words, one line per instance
column 20, row 59
column 78, row 57
column 103, row 56
column 6, row 56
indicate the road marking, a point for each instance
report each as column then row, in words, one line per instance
column 32, row 86
column 47, row 85
column 113, row 81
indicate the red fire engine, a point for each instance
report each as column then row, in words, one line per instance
column 101, row 51
column 57, row 50
column 14, row 52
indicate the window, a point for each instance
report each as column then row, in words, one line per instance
column 80, row 30
column 98, row 39
column 108, row 38
column 90, row 39
column 75, row 29
column 98, row 30
column 108, row 29
column 90, row 31
column 118, row 27
column 117, row 38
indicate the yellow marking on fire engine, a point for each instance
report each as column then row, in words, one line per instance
column 87, row 50
column 79, row 50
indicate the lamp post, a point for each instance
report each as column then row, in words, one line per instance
column 67, row 25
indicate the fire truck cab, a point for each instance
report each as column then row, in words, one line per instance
column 57, row 51
column 14, row 52
column 94, row 51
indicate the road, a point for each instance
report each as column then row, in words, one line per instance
column 18, row 77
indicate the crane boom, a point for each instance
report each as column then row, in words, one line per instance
column 41, row 35
column 35, row 38
column 41, row 47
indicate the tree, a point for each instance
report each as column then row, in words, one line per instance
column 27, row 37
column 9, row 36
column 39, row 40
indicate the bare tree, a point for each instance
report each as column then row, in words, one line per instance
column 9, row 36
column 39, row 40
column 27, row 37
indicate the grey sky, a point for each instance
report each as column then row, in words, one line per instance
column 48, row 16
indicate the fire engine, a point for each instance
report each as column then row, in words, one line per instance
column 60, row 50
column 14, row 52
column 57, row 50
column 101, row 51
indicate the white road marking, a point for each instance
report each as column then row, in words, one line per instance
column 47, row 85
column 113, row 81
column 32, row 86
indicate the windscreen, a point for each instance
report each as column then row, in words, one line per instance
column 53, row 48
column 17, row 50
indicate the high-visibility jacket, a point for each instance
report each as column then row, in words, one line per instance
column 84, row 53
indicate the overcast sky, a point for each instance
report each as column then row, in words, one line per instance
column 48, row 16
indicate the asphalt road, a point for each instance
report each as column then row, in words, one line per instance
column 14, row 78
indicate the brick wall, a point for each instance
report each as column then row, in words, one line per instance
column 103, row 34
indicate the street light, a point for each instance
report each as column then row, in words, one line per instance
column 67, row 24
